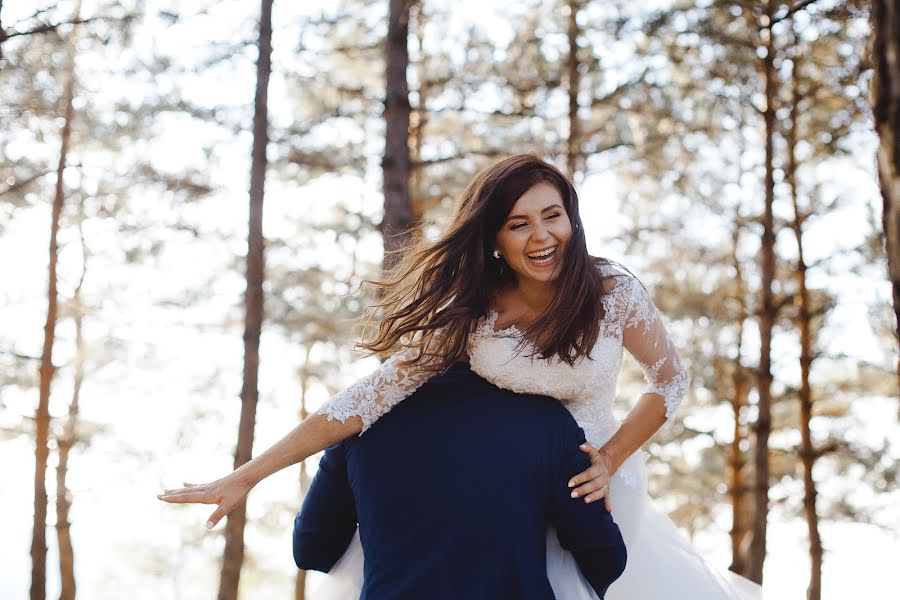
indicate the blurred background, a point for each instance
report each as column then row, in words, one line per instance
column 722, row 150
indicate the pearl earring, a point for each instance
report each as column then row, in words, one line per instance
column 496, row 254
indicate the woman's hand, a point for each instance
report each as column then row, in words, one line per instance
column 227, row 492
column 593, row 484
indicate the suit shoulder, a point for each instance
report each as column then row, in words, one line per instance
column 559, row 419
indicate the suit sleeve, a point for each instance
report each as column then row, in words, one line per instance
column 327, row 521
column 585, row 530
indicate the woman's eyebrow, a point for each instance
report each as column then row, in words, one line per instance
column 551, row 207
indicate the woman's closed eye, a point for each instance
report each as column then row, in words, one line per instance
column 521, row 224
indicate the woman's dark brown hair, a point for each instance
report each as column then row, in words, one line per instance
column 449, row 284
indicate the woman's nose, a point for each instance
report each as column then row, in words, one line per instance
column 540, row 233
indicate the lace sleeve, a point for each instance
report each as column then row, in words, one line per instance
column 645, row 337
column 374, row 395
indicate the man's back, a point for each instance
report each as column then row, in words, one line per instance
column 453, row 491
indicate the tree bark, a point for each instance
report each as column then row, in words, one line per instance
column 740, row 392
column 886, row 95
column 767, row 315
column 398, row 213
column 2, row 31
column 804, row 326
column 300, row 581
column 419, row 120
column 253, row 301
column 68, row 439
column 573, row 143
column 38, row 590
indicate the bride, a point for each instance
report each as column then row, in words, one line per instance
column 511, row 289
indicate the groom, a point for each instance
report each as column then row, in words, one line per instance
column 453, row 491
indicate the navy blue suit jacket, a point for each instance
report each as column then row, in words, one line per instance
column 453, row 491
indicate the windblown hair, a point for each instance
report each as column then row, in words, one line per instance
column 446, row 286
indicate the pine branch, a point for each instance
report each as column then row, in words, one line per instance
column 791, row 11
column 49, row 27
column 25, row 182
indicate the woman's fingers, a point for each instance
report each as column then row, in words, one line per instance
column 592, row 483
column 590, row 473
column 602, row 492
column 592, row 490
column 216, row 517
column 591, row 486
column 188, row 498
column 588, row 449
column 202, row 494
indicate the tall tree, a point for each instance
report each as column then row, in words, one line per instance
column 767, row 310
column 300, row 580
column 47, row 369
column 253, row 301
column 398, row 214
column 68, row 437
column 740, row 390
column 573, row 81
column 886, row 94
column 804, row 326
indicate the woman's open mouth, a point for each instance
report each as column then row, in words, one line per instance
column 543, row 258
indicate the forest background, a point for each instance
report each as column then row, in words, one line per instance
column 724, row 150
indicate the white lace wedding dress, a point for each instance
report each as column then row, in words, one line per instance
column 661, row 562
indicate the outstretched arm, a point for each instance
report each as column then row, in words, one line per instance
column 312, row 435
column 349, row 413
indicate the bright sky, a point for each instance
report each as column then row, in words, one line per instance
column 169, row 400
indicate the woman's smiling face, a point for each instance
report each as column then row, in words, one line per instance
column 533, row 238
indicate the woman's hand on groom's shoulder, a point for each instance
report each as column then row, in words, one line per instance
column 593, row 483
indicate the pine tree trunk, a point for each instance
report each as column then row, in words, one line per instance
column 804, row 326
column 419, row 120
column 253, row 300
column 300, row 580
column 573, row 143
column 398, row 214
column 2, row 31
column 38, row 589
column 740, row 392
column 767, row 315
column 68, row 439
column 886, row 94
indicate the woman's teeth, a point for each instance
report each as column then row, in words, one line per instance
column 543, row 257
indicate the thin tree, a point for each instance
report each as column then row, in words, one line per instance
column 68, row 438
column 253, row 302
column 740, row 385
column 573, row 80
column 767, row 310
column 886, row 94
column 300, row 581
column 398, row 214
column 804, row 318
column 47, row 370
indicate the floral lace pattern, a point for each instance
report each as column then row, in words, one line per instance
column 374, row 395
column 632, row 315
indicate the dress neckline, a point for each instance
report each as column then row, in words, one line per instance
column 491, row 323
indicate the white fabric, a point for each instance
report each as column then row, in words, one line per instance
column 661, row 563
